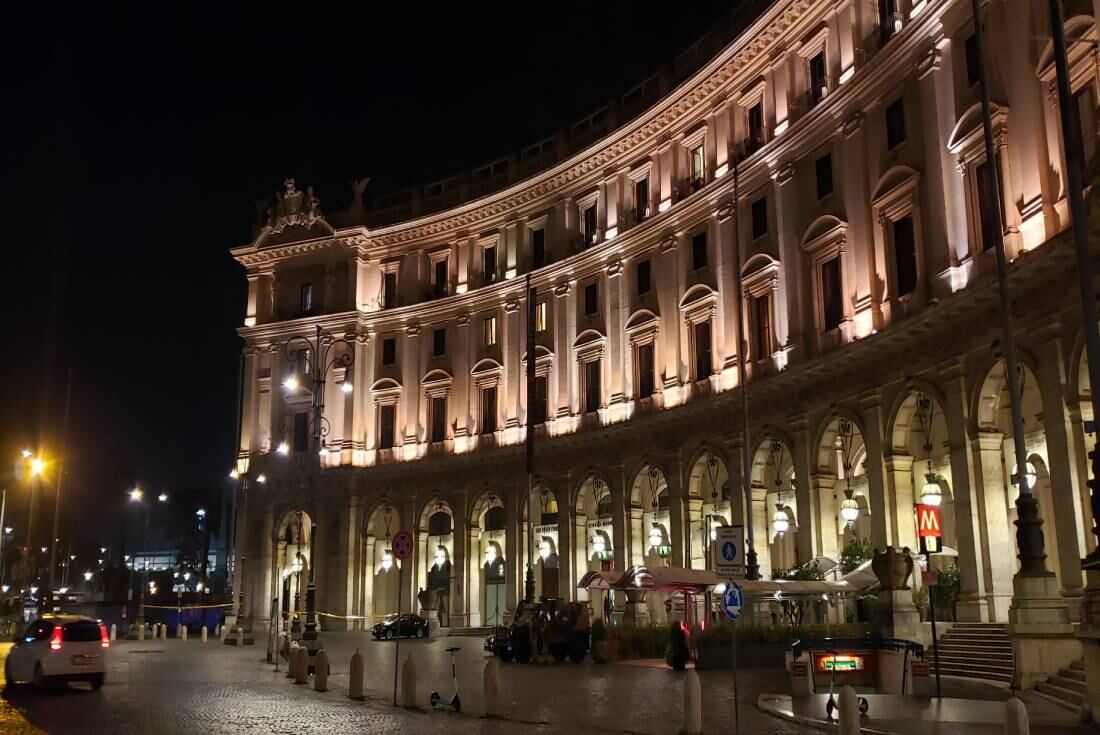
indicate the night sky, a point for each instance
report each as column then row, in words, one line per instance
column 139, row 137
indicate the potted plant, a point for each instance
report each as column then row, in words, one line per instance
column 599, row 642
column 676, row 653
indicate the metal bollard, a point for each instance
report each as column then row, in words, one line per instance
column 291, row 659
column 489, row 680
column 183, row 632
column 114, row 631
column 141, row 632
column 301, row 666
column 693, row 704
column 1016, row 720
column 202, row 634
column 320, row 672
column 355, row 688
column 849, row 711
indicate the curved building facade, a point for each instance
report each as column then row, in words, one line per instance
column 862, row 309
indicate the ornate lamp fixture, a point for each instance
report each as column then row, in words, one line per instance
column 930, row 494
column 849, row 508
column 387, row 555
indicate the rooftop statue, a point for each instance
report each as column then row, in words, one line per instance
column 293, row 207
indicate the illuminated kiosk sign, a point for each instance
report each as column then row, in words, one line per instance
column 839, row 662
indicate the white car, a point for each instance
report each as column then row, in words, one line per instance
column 59, row 648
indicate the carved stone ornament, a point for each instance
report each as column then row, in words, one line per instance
column 892, row 567
column 293, row 207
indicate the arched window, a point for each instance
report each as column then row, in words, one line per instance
column 439, row 524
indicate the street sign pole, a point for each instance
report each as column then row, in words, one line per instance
column 402, row 549
column 736, row 708
column 932, row 619
column 733, row 601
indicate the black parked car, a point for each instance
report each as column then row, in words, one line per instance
column 407, row 626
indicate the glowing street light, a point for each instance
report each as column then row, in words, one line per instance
column 387, row 560
column 291, row 383
column 201, row 513
column 88, row 576
column 346, row 387
column 136, row 494
column 233, row 474
column 163, row 497
column 283, row 448
column 26, row 454
column 37, row 465
column 261, row 478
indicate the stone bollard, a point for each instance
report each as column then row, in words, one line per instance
column 141, row 632
column 183, row 632
column 490, row 680
column 114, row 631
column 408, row 683
column 301, row 666
column 355, row 688
column 163, row 632
column 849, row 711
column 240, row 636
column 291, row 659
column 1016, row 721
column 320, row 672
column 693, row 704
column 202, row 634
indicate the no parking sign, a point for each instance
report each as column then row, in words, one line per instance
column 402, row 544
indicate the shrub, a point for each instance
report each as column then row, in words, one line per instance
column 855, row 552
column 722, row 634
column 599, row 631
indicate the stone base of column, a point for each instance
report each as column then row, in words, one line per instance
column 896, row 616
column 1089, row 634
column 636, row 611
column 974, row 609
column 1042, row 636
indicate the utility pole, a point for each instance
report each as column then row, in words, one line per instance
column 57, row 499
column 529, row 582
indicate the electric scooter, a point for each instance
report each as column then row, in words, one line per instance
column 454, row 701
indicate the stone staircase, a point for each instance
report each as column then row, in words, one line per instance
column 1066, row 688
column 479, row 631
column 976, row 650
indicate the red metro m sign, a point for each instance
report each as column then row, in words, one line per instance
column 929, row 528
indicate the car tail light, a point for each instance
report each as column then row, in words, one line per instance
column 105, row 640
column 55, row 639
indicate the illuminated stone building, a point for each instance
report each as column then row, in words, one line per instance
column 870, row 328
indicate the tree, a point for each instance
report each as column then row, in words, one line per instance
column 794, row 610
column 855, row 552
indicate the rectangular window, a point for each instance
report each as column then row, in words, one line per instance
column 489, row 264
column 890, row 20
column 698, row 166
column 763, row 344
column 592, row 386
column 819, row 86
column 590, row 225
column 895, row 124
column 756, row 128
column 488, row 410
column 438, row 411
column 540, row 316
column 823, row 167
column 971, row 60
column 387, row 416
column 641, row 199
column 538, row 410
column 645, row 370
column 490, row 331
column 832, row 300
column 987, row 217
column 301, row 432
column 643, row 277
column 538, row 248
column 703, row 363
column 439, row 342
column 905, row 255
column 305, row 297
column 591, row 299
column 389, row 290
column 760, row 217
column 389, row 351
column 699, row 251
column 440, row 286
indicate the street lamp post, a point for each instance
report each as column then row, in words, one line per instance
column 136, row 496
column 321, row 354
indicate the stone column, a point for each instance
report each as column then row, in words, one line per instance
column 617, row 313
column 992, row 514
column 1063, row 529
column 567, row 575
column 824, row 487
column 808, row 538
column 883, row 516
column 900, row 499
column 676, row 520
column 514, row 567
column 726, row 271
column 696, row 553
column 459, row 567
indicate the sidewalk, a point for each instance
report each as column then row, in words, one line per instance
column 902, row 715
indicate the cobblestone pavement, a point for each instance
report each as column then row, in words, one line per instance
column 169, row 687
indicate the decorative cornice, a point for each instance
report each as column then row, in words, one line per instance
column 668, row 244
column 929, row 63
column 784, row 173
column 852, row 125
column 562, row 289
column 615, row 269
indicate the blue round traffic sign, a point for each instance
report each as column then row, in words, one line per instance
column 729, row 551
column 733, row 599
